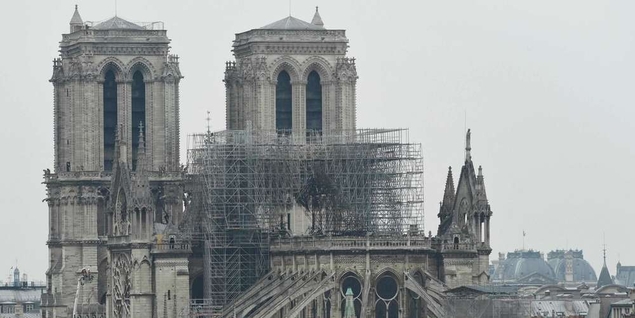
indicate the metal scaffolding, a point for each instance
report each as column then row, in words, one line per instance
column 253, row 185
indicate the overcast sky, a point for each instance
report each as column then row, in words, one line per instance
column 547, row 87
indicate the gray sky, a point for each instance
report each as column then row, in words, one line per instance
column 546, row 85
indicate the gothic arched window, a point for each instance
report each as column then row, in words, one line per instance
column 110, row 119
column 138, row 113
column 283, row 102
column 314, row 102
column 387, row 295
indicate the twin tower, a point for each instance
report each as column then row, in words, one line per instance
column 116, row 194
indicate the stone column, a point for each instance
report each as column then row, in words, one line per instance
column 403, row 302
column 100, row 124
column 169, row 123
column 148, row 132
column 328, row 111
column 487, row 230
column 298, row 109
column 336, row 303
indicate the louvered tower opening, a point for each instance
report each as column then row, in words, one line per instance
column 314, row 103
column 110, row 119
column 283, row 102
column 138, row 113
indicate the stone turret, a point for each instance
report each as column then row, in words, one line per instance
column 76, row 23
column 317, row 19
column 464, row 225
column 293, row 77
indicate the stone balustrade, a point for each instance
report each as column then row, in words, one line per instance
column 351, row 243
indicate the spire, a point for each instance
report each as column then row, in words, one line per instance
column 605, row 276
column 445, row 209
column 76, row 21
column 448, row 195
column 480, row 185
column 604, row 254
column 317, row 20
column 468, row 147
column 349, row 307
column 141, row 152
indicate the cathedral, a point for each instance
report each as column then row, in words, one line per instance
column 124, row 212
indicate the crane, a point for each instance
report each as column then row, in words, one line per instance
column 85, row 277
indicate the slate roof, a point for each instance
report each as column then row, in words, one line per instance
column 25, row 315
column 485, row 289
column 317, row 19
column 76, row 19
column 605, row 277
column 625, row 275
column 567, row 307
column 292, row 23
column 18, row 295
column 117, row 23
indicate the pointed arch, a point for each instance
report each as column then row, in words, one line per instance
column 140, row 64
column 111, row 64
column 286, row 63
column 319, row 65
column 387, row 287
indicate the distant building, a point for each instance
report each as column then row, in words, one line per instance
column 20, row 298
column 605, row 278
column 625, row 275
column 527, row 267
column 523, row 268
column 571, row 267
column 515, row 301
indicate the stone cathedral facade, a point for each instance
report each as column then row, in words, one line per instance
column 115, row 193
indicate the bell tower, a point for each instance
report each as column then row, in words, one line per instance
column 291, row 76
column 116, row 102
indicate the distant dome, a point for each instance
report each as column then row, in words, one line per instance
column 582, row 270
column 523, row 264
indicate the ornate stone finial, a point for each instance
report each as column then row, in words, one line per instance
column 468, row 147
column 480, row 171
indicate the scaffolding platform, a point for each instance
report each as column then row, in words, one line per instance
column 366, row 182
